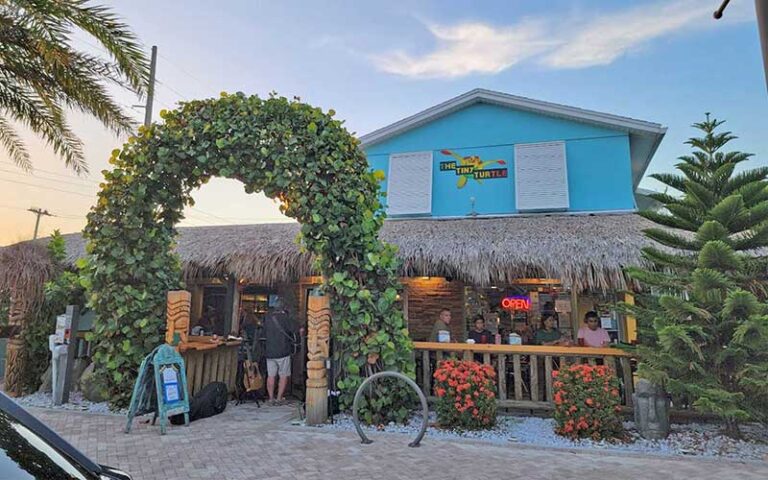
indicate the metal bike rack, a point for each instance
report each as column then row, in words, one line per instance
column 412, row 384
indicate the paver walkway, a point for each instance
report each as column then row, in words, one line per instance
column 249, row 443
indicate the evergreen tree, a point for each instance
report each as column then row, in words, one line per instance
column 703, row 315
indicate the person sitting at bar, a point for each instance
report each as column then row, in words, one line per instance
column 593, row 335
column 442, row 323
column 547, row 334
column 521, row 328
column 480, row 334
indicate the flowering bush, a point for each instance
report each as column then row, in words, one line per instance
column 466, row 394
column 587, row 402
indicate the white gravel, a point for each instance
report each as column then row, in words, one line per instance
column 686, row 439
column 76, row 402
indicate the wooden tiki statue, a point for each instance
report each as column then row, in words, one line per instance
column 318, row 336
column 15, row 356
column 177, row 315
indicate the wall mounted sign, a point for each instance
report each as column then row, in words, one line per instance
column 516, row 302
column 472, row 166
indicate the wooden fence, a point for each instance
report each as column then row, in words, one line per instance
column 524, row 372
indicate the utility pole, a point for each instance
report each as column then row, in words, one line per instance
column 39, row 212
column 150, row 88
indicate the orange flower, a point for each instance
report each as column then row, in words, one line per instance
column 589, row 402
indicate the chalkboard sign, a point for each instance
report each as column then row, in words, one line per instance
column 160, row 388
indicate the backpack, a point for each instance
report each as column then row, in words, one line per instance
column 210, row 401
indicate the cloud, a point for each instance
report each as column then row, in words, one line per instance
column 608, row 37
column 469, row 48
column 566, row 42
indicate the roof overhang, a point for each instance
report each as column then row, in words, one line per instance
column 644, row 137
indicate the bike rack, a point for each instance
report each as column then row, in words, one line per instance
column 412, row 384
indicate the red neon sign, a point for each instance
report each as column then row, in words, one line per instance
column 516, row 303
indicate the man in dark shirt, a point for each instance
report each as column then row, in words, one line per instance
column 279, row 335
column 479, row 334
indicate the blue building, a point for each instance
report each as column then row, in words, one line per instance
column 501, row 206
column 487, row 153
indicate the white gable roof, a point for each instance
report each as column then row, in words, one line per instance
column 644, row 137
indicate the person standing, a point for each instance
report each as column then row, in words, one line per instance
column 443, row 322
column 593, row 335
column 280, row 336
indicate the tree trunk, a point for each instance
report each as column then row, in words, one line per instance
column 732, row 428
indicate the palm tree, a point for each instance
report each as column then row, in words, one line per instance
column 42, row 74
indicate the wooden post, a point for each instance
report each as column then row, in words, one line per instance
column 318, row 336
column 548, row 375
column 73, row 312
column 426, row 373
column 518, row 372
column 626, row 370
column 534, row 361
column 502, row 376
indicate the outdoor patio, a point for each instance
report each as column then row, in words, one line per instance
column 247, row 442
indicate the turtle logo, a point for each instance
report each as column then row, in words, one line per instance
column 472, row 166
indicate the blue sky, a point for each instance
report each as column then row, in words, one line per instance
column 374, row 63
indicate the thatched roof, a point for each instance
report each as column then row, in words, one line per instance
column 585, row 252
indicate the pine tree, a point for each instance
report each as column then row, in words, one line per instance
column 703, row 315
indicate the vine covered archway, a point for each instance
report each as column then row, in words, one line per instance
column 288, row 150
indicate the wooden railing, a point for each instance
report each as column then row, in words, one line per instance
column 524, row 372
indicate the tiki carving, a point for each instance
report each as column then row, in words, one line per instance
column 179, row 305
column 15, row 355
column 318, row 336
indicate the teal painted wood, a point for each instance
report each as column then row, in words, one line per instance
column 163, row 371
column 598, row 159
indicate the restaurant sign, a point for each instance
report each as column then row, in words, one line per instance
column 472, row 166
column 516, row 302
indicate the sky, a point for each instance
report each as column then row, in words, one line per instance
column 666, row 61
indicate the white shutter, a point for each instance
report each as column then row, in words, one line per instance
column 409, row 184
column 541, row 176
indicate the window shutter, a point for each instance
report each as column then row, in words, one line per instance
column 541, row 176
column 409, row 185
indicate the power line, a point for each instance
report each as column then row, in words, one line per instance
column 211, row 215
column 67, row 216
column 165, row 85
column 185, row 72
column 48, row 188
column 57, row 174
column 46, row 179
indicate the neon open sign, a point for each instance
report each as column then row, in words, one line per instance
column 517, row 302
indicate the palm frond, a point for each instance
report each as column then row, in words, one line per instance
column 14, row 146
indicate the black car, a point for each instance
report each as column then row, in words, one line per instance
column 30, row 450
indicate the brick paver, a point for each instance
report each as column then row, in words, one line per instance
column 249, row 443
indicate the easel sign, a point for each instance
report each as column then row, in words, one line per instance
column 161, row 388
